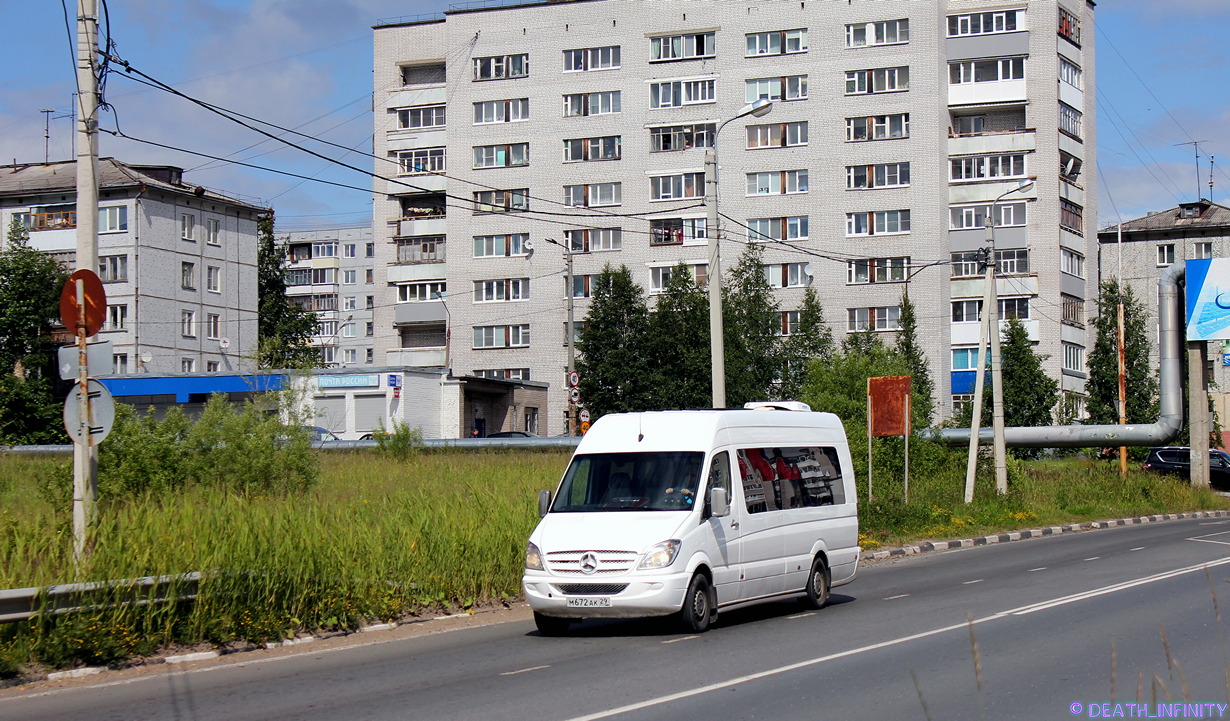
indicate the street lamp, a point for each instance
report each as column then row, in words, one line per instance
column 448, row 330
column 990, row 328
column 758, row 108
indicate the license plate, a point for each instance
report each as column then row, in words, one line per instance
column 595, row 602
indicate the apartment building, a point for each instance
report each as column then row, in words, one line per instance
column 515, row 134
column 177, row 261
column 332, row 273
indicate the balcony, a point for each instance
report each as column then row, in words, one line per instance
column 416, row 357
column 428, row 249
column 430, row 313
column 984, row 143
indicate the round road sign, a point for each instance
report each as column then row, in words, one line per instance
column 585, row 415
column 102, row 412
column 575, row 395
column 95, row 302
column 574, row 379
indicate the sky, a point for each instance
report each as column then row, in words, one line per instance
column 306, row 65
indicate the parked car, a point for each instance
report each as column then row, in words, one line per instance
column 1177, row 460
column 321, row 434
column 511, row 434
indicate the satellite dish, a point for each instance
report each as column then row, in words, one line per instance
column 528, row 245
column 146, row 357
column 224, row 343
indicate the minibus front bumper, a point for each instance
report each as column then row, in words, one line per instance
column 624, row 596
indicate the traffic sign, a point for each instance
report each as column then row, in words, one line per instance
column 585, row 415
column 98, row 360
column 575, row 395
column 102, row 408
column 584, row 427
column 95, row 302
column 574, row 379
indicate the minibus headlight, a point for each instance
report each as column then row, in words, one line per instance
column 661, row 555
column 533, row 558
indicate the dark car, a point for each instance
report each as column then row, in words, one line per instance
column 512, row 434
column 1178, row 460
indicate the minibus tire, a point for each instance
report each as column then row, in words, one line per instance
column 698, row 612
column 551, row 625
column 817, row 597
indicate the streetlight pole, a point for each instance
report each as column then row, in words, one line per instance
column 569, row 333
column 717, row 343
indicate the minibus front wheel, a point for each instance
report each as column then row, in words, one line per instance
column 698, row 610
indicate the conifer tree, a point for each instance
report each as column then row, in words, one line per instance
column 616, row 375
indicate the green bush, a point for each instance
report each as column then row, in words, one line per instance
column 400, row 443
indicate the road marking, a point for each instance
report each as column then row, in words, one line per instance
column 1094, row 558
column 677, row 640
column 976, row 580
column 801, row 615
column 1205, row 538
column 1138, row 548
column 1039, row 568
column 963, row 626
column 524, row 670
column 893, row 598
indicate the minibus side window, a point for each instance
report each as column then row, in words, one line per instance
column 784, row 478
column 719, row 477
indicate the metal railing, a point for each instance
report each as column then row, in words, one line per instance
column 22, row 604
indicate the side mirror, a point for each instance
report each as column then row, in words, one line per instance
column 719, row 504
column 544, row 503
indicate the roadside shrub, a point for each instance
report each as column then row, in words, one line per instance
column 401, row 443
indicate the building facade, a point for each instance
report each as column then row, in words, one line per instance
column 177, row 261
column 331, row 272
column 514, row 135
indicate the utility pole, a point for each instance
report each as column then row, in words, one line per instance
column 47, row 134
column 569, row 332
column 971, row 464
column 1122, row 355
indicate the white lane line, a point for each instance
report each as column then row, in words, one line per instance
column 1138, row 548
column 1039, row 568
column 1205, row 538
column 976, row 580
column 801, row 615
column 677, row 640
column 658, row 701
column 1094, row 558
column 894, row 598
column 524, row 670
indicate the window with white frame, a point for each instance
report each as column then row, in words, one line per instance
column 212, row 231
column 585, row 240
column 1073, row 263
column 324, row 276
column 677, row 231
column 787, row 275
column 789, row 228
column 674, row 187
column 777, row 182
column 348, row 331
column 421, row 292
column 117, row 317
column 349, row 250
column 326, row 329
column 986, row 71
column 502, row 156
column 999, row 21
column 777, row 42
column 963, row 217
column 677, row 93
column 1073, row 310
column 965, row 359
column 606, row 102
column 1070, row 120
column 349, row 355
column 1012, row 261
column 369, row 250
column 881, row 222
column 966, row 311
column 187, row 365
column 350, row 302
column 420, row 249
column 681, row 137
column 660, row 276
column 1202, row 251
column 690, row 46
column 113, row 268
column 213, row 278
column 885, row 32
column 501, row 111
column 113, row 219
column 878, row 127
column 187, row 226
column 500, row 67
column 420, row 160
column 501, row 201
column 299, row 276
column 119, row 363
column 1165, row 254
column 501, row 290
column 1013, row 308
column 789, row 322
column 878, row 80
column 1070, row 73
column 187, row 323
column 515, row 374
column 1073, row 358
column 328, row 355
column 982, row 167
column 325, row 249
column 422, row 117
column 584, row 59
column 500, row 246
column 350, row 277
column 877, row 270
column 785, row 88
column 581, row 286
column 607, row 147
column 213, row 326
column 593, row 195
column 501, row 336
column 777, row 135
column 877, row 319
column 883, row 175
column 187, row 276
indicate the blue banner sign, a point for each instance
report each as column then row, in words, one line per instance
column 1208, row 299
column 361, row 381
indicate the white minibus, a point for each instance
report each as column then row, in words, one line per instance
column 689, row 512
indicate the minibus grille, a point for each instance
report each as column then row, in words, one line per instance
column 590, row 589
column 596, row 562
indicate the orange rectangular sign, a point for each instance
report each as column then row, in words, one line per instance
column 888, row 405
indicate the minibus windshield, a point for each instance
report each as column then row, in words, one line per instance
column 660, row 481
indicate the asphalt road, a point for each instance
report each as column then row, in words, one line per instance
column 1118, row 615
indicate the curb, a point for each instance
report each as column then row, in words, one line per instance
column 929, row 546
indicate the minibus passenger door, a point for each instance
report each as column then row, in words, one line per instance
column 722, row 532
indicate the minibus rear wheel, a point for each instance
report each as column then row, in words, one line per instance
column 698, row 610
column 817, row 585
column 551, row 625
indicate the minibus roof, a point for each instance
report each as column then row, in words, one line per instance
column 703, row 430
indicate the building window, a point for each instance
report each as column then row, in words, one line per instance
column 787, row 275
column 421, row 118
column 581, row 286
column 499, row 291
column 964, row 217
column 1073, row 263
column 348, row 331
column 582, row 104
column 1002, row 21
column 117, row 317
column 777, row 42
column 187, row 365
column 878, row 80
column 677, row 93
column 660, row 276
column 350, row 302
column 370, row 302
column 501, row 201
column 877, row 270
column 113, row 268
column 966, row 311
column 421, row 292
column 1202, row 251
column 1073, row 358
column 677, row 231
column 1070, row 120
column 777, row 135
column 502, row 111
column 502, row 156
column 113, row 219
column 593, row 239
column 1071, row 217
column 681, row 137
column 965, row 359
column 884, row 175
column 328, row 355
column 787, row 88
column 883, row 222
column 986, row 71
column 789, row 322
column 370, row 250
column 324, row 276
column 349, row 250
column 500, row 246
column 692, row 46
column 187, row 226
column 604, row 58
column 1012, row 262
column 349, row 277
column 501, row 336
column 369, row 355
column 1070, row 73
column 860, row 319
column 1013, row 308
column 326, row 249
column 878, row 127
column 773, row 183
column 593, row 195
column 213, row 326
column 582, row 149
column 213, row 278
column 499, row 67
column 369, row 276
column 1069, row 166
column 982, row 167
column 674, row 187
column 422, row 160
column 1165, row 254
column 212, row 232
column 299, row 276
column 1069, row 27
column 513, row 374
column 425, row 249
column 187, row 276
column 790, row 228
column 187, row 323
column 878, row 33
column 350, row 355
column 1073, row 310
column 119, row 363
